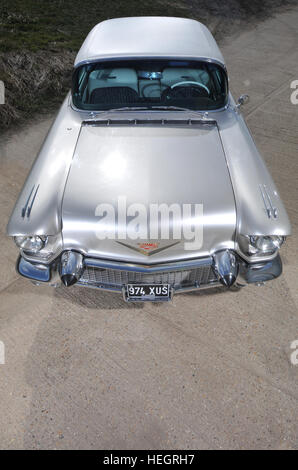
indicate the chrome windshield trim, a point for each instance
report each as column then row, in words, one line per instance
column 154, row 111
column 153, row 57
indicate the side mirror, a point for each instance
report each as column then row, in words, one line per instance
column 242, row 100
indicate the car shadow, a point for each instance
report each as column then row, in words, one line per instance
column 95, row 298
column 212, row 291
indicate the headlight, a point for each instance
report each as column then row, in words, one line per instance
column 260, row 245
column 38, row 247
column 267, row 244
column 30, row 245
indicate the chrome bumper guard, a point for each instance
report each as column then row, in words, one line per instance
column 35, row 272
column 257, row 273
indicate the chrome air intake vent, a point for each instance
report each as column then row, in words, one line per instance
column 149, row 122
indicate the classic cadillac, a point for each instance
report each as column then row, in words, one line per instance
column 149, row 182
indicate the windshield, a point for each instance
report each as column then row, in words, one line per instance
column 194, row 85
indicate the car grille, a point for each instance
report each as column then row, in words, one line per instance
column 115, row 279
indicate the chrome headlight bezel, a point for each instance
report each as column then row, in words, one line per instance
column 49, row 248
column 256, row 246
column 32, row 244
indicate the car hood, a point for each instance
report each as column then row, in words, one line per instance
column 149, row 164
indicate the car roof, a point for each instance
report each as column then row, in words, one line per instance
column 149, row 36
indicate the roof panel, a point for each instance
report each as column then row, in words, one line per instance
column 149, row 36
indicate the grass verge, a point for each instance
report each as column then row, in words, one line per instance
column 39, row 40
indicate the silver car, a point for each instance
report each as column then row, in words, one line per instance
column 149, row 182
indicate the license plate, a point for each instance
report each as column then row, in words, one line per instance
column 151, row 292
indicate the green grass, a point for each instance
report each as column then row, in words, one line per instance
column 36, row 25
column 39, row 40
column 63, row 24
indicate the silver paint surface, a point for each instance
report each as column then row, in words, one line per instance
column 219, row 167
column 149, row 36
column 159, row 164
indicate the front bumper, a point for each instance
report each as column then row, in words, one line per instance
column 182, row 276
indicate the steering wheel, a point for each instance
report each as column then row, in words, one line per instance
column 186, row 89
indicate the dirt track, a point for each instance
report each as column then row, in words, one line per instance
column 210, row 370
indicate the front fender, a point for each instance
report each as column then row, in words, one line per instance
column 38, row 208
column 259, row 208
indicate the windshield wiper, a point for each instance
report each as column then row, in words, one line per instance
column 124, row 108
column 148, row 108
column 173, row 108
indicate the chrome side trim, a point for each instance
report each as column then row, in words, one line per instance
column 24, row 209
column 32, row 202
column 271, row 211
column 27, row 208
